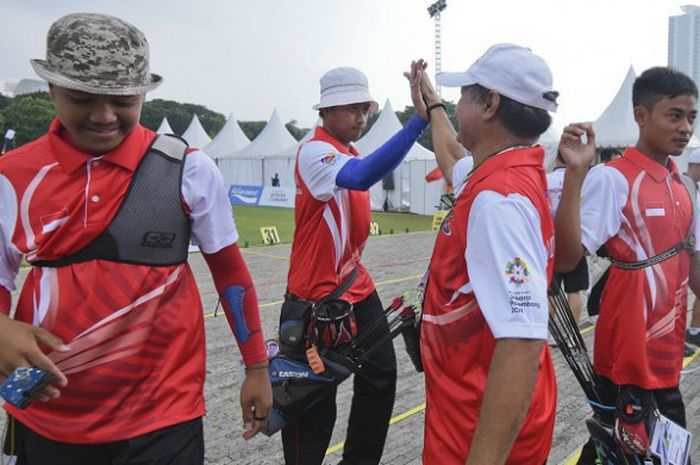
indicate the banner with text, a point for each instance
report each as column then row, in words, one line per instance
column 264, row 196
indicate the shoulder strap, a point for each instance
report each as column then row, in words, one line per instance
column 692, row 188
column 342, row 287
column 170, row 145
column 687, row 244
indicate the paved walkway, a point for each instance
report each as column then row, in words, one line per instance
column 396, row 263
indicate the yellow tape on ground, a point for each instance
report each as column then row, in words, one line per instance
column 394, row 420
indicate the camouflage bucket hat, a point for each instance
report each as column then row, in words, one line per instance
column 98, row 54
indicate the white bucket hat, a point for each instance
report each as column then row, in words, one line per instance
column 344, row 86
column 510, row 70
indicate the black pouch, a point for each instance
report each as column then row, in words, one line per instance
column 333, row 323
column 294, row 321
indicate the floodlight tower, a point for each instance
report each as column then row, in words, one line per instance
column 434, row 11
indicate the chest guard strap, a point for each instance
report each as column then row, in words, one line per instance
column 151, row 226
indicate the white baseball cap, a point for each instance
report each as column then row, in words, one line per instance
column 344, row 86
column 694, row 156
column 510, row 70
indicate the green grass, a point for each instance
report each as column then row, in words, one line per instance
column 249, row 220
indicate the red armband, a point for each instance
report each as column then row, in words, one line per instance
column 239, row 300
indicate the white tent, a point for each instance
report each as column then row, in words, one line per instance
column 284, row 161
column 246, row 165
column 616, row 127
column 164, row 127
column 195, row 135
column 550, row 141
column 229, row 140
column 410, row 188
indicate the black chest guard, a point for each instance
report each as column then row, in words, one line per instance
column 151, row 226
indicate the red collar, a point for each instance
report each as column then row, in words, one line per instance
column 652, row 168
column 323, row 135
column 529, row 156
column 127, row 155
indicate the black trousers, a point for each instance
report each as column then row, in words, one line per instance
column 181, row 444
column 374, row 387
column 669, row 402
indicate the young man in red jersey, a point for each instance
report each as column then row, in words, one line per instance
column 104, row 212
column 490, row 386
column 332, row 217
column 638, row 207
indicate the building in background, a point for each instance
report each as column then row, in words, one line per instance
column 684, row 42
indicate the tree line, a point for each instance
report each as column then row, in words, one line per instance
column 29, row 116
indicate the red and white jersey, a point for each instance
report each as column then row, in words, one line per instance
column 476, row 294
column 638, row 208
column 332, row 224
column 136, row 332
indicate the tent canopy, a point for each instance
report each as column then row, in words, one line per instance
column 273, row 138
column 164, row 127
column 229, row 140
column 616, row 127
column 195, row 135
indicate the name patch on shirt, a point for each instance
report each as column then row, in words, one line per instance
column 655, row 209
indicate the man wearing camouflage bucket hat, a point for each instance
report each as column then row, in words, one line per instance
column 104, row 210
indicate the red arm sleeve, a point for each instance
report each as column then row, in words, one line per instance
column 228, row 269
column 5, row 301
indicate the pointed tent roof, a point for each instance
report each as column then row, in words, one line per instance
column 383, row 129
column 164, row 127
column 550, row 141
column 273, row 138
column 616, row 127
column 230, row 139
column 195, row 135
column 291, row 151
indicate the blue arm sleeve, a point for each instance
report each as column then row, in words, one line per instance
column 361, row 174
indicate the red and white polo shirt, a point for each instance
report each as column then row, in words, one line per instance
column 332, row 224
column 488, row 280
column 638, row 208
column 136, row 332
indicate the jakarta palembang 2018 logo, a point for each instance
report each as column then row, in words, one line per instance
column 517, row 272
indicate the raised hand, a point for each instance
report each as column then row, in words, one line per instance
column 430, row 95
column 577, row 153
column 414, row 78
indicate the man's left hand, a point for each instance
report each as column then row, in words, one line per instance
column 256, row 399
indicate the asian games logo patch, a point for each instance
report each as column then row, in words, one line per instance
column 517, row 272
column 329, row 159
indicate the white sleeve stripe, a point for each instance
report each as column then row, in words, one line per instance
column 335, row 234
column 451, row 316
column 24, row 208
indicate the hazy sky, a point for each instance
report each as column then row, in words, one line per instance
column 250, row 56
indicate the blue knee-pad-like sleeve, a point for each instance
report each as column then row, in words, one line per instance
column 232, row 301
column 361, row 174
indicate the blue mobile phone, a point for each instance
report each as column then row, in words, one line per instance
column 23, row 384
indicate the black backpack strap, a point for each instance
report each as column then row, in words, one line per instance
column 665, row 255
column 687, row 244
